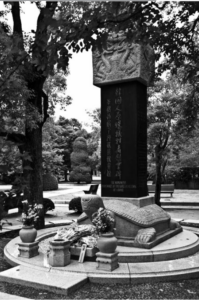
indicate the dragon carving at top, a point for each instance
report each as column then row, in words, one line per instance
column 120, row 59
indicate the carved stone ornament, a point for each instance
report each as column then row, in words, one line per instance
column 123, row 61
column 90, row 204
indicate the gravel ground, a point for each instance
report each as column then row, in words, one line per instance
column 184, row 289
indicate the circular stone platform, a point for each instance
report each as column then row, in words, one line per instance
column 176, row 258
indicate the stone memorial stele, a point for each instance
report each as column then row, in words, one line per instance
column 123, row 70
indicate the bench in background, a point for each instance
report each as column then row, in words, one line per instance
column 165, row 188
column 93, row 189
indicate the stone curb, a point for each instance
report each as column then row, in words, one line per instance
column 191, row 223
column 11, row 297
column 172, row 207
column 47, row 225
column 51, row 281
column 131, row 272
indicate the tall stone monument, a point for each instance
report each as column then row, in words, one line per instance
column 123, row 71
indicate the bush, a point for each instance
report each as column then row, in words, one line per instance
column 9, row 178
column 13, row 199
column 81, row 171
column 50, row 182
column 48, row 205
column 75, row 204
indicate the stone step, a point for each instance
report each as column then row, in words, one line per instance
column 172, row 207
column 66, row 202
column 180, row 203
column 4, row 296
column 192, row 229
column 190, row 222
column 44, row 279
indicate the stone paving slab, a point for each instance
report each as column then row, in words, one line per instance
column 13, row 227
column 61, row 222
column 178, row 219
column 192, row 229
column 194, row 223
column 184, row 207
column 4, row 296
column 178, row 202
column 62, row 284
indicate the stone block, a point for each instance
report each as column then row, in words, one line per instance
column 59, row 253
column 123, row 60
column 139, row 202
column 28, row 250
column 107, row 261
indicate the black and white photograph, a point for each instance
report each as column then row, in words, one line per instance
column 99, row 150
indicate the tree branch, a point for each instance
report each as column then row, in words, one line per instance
column 17, row 23
column 13, row 71
column 165, row 142
column 131, row 15
column 45, row 106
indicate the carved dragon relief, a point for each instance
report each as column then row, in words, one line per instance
column 121, row 60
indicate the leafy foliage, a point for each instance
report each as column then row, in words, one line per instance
column 81, row 170
column 26, row 62
column 167, row 129
column 103, row 220
column 30, row 213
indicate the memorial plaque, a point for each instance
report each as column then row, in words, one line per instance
column 124, row 140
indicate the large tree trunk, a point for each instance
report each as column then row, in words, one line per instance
column 35, row 188
column 34, row 148
column 33, row 132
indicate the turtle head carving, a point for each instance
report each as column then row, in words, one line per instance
column 91, row 203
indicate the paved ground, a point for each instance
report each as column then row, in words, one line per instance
column 67, row 191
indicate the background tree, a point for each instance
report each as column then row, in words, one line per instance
column 66, row 130
column 55, row 88
column 168, row 126
column 52, row 159
column 81, row 171
column 94, row 141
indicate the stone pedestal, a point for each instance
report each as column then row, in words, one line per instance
column 139, row 202
column 107, row 261
column 59, row 253
column 28, row 250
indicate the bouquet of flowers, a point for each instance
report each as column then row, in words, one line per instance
column 75, row 232
column 30, row 213
column 103, row 220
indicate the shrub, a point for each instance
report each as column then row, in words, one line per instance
column 81, row 171
column 12, row 199
column 50, row 182
column 48, row 205
column 75, row 204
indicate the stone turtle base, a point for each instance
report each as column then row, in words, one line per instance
column 159, row 239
